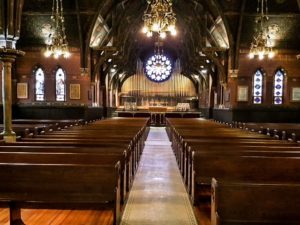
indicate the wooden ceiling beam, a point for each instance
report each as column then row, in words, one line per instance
column 279, row 15
column 83, row 56
column 214, row 49
column 298, row 2
column 66, row 13
column 238, row 36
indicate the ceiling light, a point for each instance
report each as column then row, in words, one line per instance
column 57, row 44
column 159, row 18
column 261, row 45
column 163, row 35
column 149, row 34
column 109, row 60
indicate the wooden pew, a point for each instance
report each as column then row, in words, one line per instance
column 135, row 145
column 261, row 149
column 25, row 130
column 241, row 166
column 238, row 156
column 276, row 129
column 45, row 186
column 123, row 155
column 183, row 150
column 237, row 203
column 97, row 144
column 87, row 141
column 45, row 121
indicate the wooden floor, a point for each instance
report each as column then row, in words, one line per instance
column 61, row 217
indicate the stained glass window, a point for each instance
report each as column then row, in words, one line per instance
column 60, row 78
column 278, row 87
column 257, row 87
column 158, row 68
column 39, row 85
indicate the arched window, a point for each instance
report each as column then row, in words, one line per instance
column 257, row 88
column 60, row 78
column 39, row 76
column 278, row 87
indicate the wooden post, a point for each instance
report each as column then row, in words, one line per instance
column 15, row 215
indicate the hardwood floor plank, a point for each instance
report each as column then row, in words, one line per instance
column 61, row 217
column 3, row 216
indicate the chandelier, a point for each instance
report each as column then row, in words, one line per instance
column 159, row 18
column 57, row 44
column 261, row 45
column 158, row 67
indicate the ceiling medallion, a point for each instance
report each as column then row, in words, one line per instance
column 159, row 18
column 158, row 67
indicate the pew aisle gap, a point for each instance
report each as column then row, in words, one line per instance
column 158, row 195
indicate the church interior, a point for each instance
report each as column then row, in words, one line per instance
column 140, row 112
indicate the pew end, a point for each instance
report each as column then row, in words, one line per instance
column 236, row 203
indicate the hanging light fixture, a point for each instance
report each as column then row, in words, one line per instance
column 261, row 45
column 159, row 18
column 57, row 44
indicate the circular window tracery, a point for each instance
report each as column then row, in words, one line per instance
column 158, row 68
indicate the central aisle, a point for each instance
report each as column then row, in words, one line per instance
column 158, row 195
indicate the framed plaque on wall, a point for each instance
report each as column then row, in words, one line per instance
column 22, row 90
column 242, row 93
column 295, row 94
column 74, row 91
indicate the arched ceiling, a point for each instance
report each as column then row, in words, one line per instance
column 206, row 28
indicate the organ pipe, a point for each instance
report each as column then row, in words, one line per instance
column 138, row 85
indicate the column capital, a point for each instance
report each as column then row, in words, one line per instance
column 9, row 55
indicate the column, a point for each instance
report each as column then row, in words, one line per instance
column 7, row 57
column 10, row 26
column 8, row 134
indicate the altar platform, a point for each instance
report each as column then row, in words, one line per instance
column 158, row 115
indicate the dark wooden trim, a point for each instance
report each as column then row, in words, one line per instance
column 83, row 56
column 66, row 13
column 238, row 36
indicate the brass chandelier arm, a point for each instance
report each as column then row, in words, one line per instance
column 159, row 18
column 261, row 45
column 57, row 44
